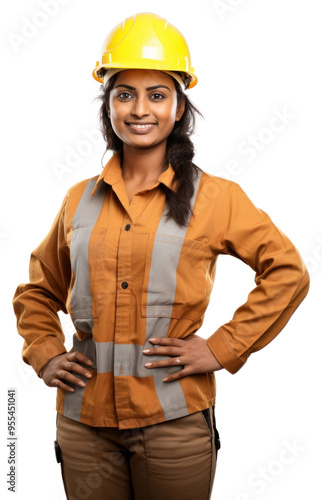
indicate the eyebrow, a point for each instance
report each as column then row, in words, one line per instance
column 148, row 88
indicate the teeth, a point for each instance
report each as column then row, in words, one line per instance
column 141, row 125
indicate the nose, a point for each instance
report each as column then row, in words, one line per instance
column 140, row 107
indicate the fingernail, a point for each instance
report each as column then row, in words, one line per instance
column 88, row 374
column 152, row 340
column 89, row 362
column 146, row 351
column 81, row 383
column 165, row 379
column 148, row 365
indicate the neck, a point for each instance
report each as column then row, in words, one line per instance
column 143, row 164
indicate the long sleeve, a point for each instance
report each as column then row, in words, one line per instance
column 36, row 303
column 281, row 279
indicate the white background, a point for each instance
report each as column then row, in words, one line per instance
column 253, row 59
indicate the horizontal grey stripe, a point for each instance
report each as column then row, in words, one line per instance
column 104, row 356
column 102, row 353
column 123, row 359
column 130, row 360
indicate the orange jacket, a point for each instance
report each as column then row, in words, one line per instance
column 126, row 274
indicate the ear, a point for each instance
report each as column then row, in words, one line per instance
column 180, row 110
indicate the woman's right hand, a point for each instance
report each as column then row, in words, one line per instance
column 59, row 369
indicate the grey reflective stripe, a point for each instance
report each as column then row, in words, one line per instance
column 104, row 356
column 73, row 402
column 102, row 353
column 83, row 222
column 127, row 359
column 166, row 257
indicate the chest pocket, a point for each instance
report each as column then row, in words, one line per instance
column 85, row 246
column 175, row 281
column 94, row 262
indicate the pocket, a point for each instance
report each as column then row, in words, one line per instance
column 175, row 277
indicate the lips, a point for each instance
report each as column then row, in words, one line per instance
column 140, row 127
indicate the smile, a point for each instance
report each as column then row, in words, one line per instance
column 142, row 127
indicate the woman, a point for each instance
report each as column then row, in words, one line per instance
column 131, row 256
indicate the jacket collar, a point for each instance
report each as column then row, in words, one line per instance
column 112, row 174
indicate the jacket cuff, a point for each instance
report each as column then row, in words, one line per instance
column 39, row 355
column 223, row 352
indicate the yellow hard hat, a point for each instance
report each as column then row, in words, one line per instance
column 146, row 41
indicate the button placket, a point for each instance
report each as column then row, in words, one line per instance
column 123, row 312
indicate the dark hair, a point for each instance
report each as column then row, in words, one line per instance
column 180, row 151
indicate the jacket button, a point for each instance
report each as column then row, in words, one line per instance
column 124, row 285
column 127, row 227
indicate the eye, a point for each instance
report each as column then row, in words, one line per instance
column 124, row 96
column 156, row 96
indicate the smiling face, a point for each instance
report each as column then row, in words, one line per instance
column 143, row 107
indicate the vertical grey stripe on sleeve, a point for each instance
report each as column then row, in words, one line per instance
column 161, row 292
column 83, row 222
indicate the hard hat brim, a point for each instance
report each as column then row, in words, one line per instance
column 192, row 83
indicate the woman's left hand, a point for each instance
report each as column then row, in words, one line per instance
column 192, row 352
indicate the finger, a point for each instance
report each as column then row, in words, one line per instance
column 61, row 385
column 167, row 341
column 70, row 377
column 70, row 366
column 163, row 351
column 163, row 363
column 176, row 376
column 79, row 357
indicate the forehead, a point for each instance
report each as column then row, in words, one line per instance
column 144, row 78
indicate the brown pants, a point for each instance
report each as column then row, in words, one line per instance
column 173, row 460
